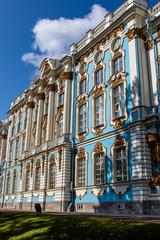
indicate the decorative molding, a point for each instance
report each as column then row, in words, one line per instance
column 81, row 101
column 52, row 158
column 131, row 34
column 114, row 32
column 30, row 104
column 159, row 82
column 84, row 56
column 120, row 191
column 152, row 137
column 118, row 123
column 98, row 89
column 80, row 193
column 46, row 68
column 98, row 131
column 50, row 194
column 98, row 192
column 11, row 141
column 149, row 45
column 81, row 152
column 4, row 136
column 158, row 60
column 96, row 47
column 35, row 195
column 60, row 157
column 43, row 161
column 117, row 80
column 24, row 134
column 119, row 141
column 9, row 163
column 15, row 161
column 21, row 169
column 14, row 172
column 18, row 138
column 98, row 147
column 41, row 96
column 155, row 181
column 8, row 174
column 38, row 163
column 51, row 87
column 81, row 137
column 28, row 166
column 68, row 75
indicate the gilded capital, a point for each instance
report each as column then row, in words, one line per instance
column 68, row 75
column 4, row 136
column 30, row 104
column 131, row 34
column 149, row 45
column 41, row 96
column 51, row 87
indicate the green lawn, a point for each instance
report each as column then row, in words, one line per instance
column 32, row 226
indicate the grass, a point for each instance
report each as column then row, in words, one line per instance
column 32, row 226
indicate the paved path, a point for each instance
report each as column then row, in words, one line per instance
column 131, row 218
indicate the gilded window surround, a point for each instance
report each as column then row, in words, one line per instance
column 115, row 31
column 97, row 91
column 113, row 82
column 82, row 99
column 98, row 148
column 118, row 142
column 51, row 161
column 82, row 153
column 154, row 145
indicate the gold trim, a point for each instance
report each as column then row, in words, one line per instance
column 52, row 158
column 118, row 123
column 28, row 166
column 30, row 104
column 149, row 45
column 4, row 136
column 98, row 147
column 38, row 163
column 81, row 137
column 60, row 157
column 41, row 96
column 81, row 152
column 98, row 131
column 114, row 32
column 99, row 195
column 120, row 194
column 51, row 87
column 119, row 141
column 131, row 34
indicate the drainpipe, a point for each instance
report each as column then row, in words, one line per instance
column 72, row 134
column 155, row 53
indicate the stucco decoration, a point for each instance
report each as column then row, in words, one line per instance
column 120, row 190
column 98, row 147
column 13, row 197
column 119, row 141
column 96, row 47
column 81, row 152
column 80, row 193
column 52, row 158
column 51, row 87
column 81, row 137
column 98, row 131
column 118, row 123
column 86, row 55
column 114, row 32
column 38, row 163
column 35, row 194
column 50, row 193
column 149, row 45
column 28, row 166
column 6, row 198
column 98, row 192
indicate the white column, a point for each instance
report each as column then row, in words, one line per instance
column 51, row 89
column 29, row 126
column 67, row 104
column 41, row 97
column 4, row 137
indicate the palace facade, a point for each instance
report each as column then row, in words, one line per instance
column 84, row 136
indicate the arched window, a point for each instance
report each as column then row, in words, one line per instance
column 14, row 182
column 52, row 179
column 37, row 178
column 99, row 57
column 27, row 180
column 117, row 44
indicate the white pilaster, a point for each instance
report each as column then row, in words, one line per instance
column 51, row 89
column 39, row 120
column 29, row 126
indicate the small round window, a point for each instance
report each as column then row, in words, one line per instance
column 99, row 57
column 117, row 44
column 83, row 68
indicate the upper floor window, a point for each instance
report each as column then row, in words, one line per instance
column 61, row 99
column 119, row 101
column 52, row 181
column 19, row 127
column 83, row 68
column 62, row 83
column 23, row 143
column 60, row 126
column 83, row 118
column 99, row 57
column 46, row 108
column 99, row 110
column 118, row 65
column 117, row 44
column 13, row 130
column 25, row 123
column 11, row 152
column 99, row 76
column 17, row 149
column 83, row 86
column 8, row 184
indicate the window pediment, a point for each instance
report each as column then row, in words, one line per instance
column 100, row 88
column 117, row 78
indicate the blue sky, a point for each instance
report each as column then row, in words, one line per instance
column 32, row 29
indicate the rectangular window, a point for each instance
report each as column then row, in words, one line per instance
column 119, row 101
column 118, row 65
column 99, row 76
column 11, row 152
column 83, row 118
column 60, row 126
column 52, row 175
column 99, row 168
column 99, row 110
column 23, row 143
column 25, row 123
column 19, row 128
column 13, row 129
column 17, row 149
column 27, row 180
column 8, row 185
column 38, row 177
column 121, row 164
column 61, row 99
column 81, row 172
column 14, row 183
column 83, row 86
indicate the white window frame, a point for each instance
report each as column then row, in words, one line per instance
column 17, row 149
column 14, row 186
column 93, row 157
column 35, row 179
column 60, row 103
column 84, row 114
column 8, row 185
column 113, row 160
column 77, row 158
column 60, row 123
column 49, row 175
column 29, row 179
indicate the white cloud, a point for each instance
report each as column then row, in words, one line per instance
column 52, row 37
